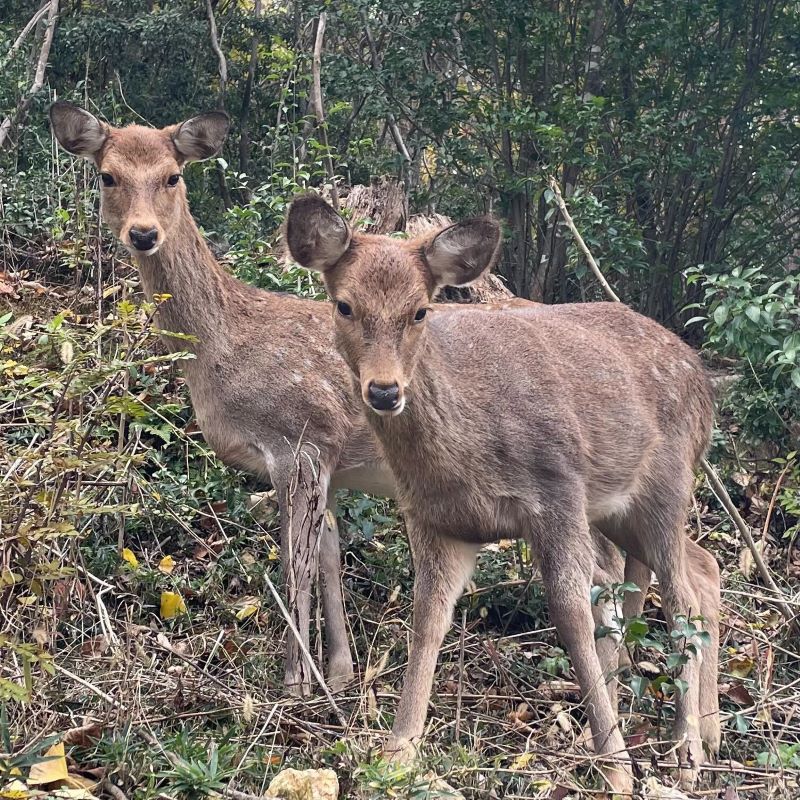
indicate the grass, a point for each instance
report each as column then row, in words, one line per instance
column 192, row 706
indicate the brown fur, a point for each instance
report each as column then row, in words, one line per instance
column 533, row 423
column 270, row 393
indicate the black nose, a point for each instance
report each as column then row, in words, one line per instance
column 143, row 240
column 383, row 398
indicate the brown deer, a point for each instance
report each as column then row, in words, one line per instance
column 530, row 423
column 270, row 393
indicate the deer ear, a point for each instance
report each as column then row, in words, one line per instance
column 76, row 130
column 316, row 235
column 461, row 253
column 201, row 137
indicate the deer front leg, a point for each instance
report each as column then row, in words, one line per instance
column 566, row 576
column 301, row 502
column 340, row 662
column 442, row 567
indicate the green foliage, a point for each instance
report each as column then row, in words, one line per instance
column 755, row 319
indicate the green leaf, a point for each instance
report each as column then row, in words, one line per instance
column 638, row 684
column 753, row 313
column 720, row 314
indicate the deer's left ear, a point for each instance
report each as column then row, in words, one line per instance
column 201, row 137
column 316, row 235
column 461, row 253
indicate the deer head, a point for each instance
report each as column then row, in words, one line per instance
column 382, row 289
column 142, row 195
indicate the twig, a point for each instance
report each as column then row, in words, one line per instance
column 743, row 528
column 222, row 61
column 309, row 659
column 377, row 66
column 114, row 791
column 460, row 675
column 38, row 81
column 716, row 484
column 90, row 686
column 32, row 22
column 316, row 104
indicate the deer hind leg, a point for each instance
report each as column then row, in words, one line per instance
column 442, row 567
column 340, row 661
column 608, row 569
column 301, row 501
column 567, row 577
column 705, row 578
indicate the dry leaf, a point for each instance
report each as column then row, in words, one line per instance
column 171, row 605
column 307, row 784
column 739, row 694
column 166, row 565
column 85, row 735
column 52, row 769
column 521, row 761
column 740, row 666
column 129, row 558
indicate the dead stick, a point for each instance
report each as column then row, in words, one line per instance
column 716, row 484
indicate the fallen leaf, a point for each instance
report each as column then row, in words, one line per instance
column 171, row 605
column 51, row 769
column 521, row 761
column 129, row 558
column 740, row 666
column 739, row 694
column 166, row 565
column 85, row 735
column 307, row 784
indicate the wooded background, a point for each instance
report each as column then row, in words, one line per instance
column 673, row 132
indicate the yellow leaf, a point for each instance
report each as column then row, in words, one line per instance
column 171, row 605
column 740, row 666
column 273, row 555
column 246, row 611
column 166, row 565
column 16, row 790
column 52, row 769
column 129, row 558
column 521, row 762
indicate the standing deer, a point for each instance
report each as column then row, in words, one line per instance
column 532, row 425
column 270, row 393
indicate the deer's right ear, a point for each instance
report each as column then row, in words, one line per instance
column 76, row 130
column 316, row 235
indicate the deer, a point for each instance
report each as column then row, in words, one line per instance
column 270, row 393
column 534, row 424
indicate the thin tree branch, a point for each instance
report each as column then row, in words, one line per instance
column 24, row 34
column 223, row 63
column 716, row 484
column 38, row 80
column 317, row 106
column 390, row 118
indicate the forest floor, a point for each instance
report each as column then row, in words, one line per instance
column 160, row 646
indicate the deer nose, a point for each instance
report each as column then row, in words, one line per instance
column 143, row 240
column 383, row 397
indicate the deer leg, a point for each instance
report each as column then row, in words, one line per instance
column 679, row 599
column 301, row 500
column 567, row 582
column 633, row 602
column 442, row 567
column 340, row 661
column 704, row 572
column 608, row 569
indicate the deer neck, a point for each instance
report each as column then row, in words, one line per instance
column 185, row 269
column 432, row 416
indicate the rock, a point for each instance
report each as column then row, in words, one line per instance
column 305, row 784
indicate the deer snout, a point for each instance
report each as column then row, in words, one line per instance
column 143, row 239
column 385, row 398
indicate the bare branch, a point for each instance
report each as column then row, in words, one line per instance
column 390, row 118
column 223, row 63
column 315, row 101
column 38, row 80
column 32, row 22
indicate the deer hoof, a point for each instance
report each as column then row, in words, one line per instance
column 399, row 750
column 340, row 674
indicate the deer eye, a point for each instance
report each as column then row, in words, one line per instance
column 420, row 315
column 344, row 309
column 173, row 180
column 108, row 180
